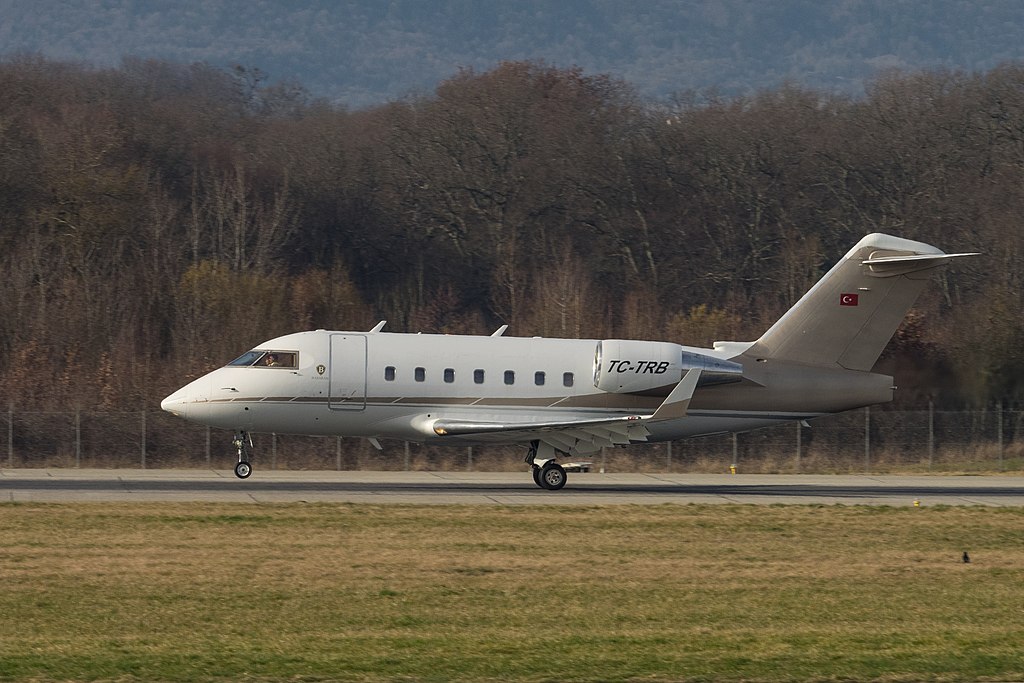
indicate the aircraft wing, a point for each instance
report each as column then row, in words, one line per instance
column 580, row 436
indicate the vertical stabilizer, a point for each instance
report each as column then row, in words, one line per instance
column 848, row 317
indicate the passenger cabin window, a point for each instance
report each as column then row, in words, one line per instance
column 510, row 377
column 538, row 379
column 449, row 375
column 420, row 374
column 567, row 379
column 267, row 359
column 389, row 373
column 478, row 376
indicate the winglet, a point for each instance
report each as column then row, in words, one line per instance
column 500, row 331
column 378, row 327
column 675, row 404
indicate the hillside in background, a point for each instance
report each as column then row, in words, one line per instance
column 364, row 52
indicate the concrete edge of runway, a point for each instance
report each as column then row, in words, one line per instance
column 502, row 488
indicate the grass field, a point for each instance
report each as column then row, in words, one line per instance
column 218, row 592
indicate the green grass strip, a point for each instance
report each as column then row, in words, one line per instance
column 221, row 592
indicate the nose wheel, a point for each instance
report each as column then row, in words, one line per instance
column 243, row 442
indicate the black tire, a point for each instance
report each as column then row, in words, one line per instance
column 536, row 477
column 243, row 469
column 552, row 476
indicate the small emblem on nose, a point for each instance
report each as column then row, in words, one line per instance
column 321, row 369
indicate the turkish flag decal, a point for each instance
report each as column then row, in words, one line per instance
column 847, row 299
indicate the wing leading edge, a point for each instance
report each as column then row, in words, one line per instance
column 581, row 436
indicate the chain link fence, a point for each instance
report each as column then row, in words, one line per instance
column 863, row 441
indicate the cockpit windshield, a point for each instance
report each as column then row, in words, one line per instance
column 266, row 359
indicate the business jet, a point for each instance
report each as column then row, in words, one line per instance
column 571, row 397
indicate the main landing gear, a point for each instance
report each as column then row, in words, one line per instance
column 547, row 473
column 243, row 442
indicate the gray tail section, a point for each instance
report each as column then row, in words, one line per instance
column 848, row 317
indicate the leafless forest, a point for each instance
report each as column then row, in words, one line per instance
column 158, row 219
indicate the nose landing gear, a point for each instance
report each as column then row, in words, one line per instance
column 243, row 442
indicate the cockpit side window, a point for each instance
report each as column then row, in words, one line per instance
column 248, row 358
column 267, row 359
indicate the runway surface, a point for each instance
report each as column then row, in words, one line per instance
column 502, row 488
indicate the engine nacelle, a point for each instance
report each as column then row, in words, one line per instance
column 625, row 366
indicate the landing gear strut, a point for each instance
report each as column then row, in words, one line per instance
column 547, row 473
column 243, row 442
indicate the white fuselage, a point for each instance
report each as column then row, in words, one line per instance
column 383, row 385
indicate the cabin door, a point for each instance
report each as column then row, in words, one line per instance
column 348, row 372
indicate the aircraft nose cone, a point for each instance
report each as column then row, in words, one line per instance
column 174, row 404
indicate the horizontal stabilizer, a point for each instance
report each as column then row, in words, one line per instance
column 888, row 266
column 938, row 258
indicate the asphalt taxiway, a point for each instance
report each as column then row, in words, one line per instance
column 502, row 488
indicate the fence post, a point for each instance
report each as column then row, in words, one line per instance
column 668, row 456
column 143, row 439
column 78, row 438
column 406, row 456
column 208, row 448
column 10, row 434
column 931, row 433
column 999, row 426
column 273, row 450
column 338, row 455
column 735, row 450
column 867, row 440
column 799, row 438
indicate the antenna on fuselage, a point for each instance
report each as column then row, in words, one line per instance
column 378, row 327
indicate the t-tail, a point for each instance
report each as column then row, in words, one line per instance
column 848, row 317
